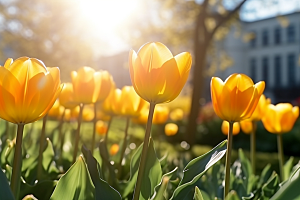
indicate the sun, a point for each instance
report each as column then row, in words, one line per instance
column 104, row 16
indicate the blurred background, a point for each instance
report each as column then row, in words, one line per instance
column 255, row 37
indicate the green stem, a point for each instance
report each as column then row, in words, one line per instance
column 107, row 131
column 228, row 160
column 280, row 156
column 7, row 129
column 77, row 137
column 17, row 163
column 123, row 147
column 253, row 146
column 144, row 154
column 60, row 133
column 105, row 146
column 94, row 128
column 42, row 144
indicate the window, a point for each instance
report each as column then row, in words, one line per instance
column 277, row 63
column 253, row 69
column 265, row 38
column 252, row 41
column 277, row 35
column 291, row 64
column 265, row 70
column 291, row 33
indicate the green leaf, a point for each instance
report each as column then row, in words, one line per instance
column 5, row 192
column 287, row 168
column 161, row 187
column 75, row 184
column 103, row 189
column 290, row 190
column 48, row 155
column 152, row 174
column 265, row 175
column 196, row 168
column 197, row 195
column 106, row 162
column 269, row 189
column 41, row 190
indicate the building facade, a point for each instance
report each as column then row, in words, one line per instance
column 272, row 54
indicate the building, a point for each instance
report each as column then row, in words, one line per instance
column 271, row 54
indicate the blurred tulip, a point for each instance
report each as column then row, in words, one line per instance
column 236, row 98
column 102, row 115
column 28, row 89
column 247, row 126
column 260, row 108
column 225, row 128
column 106, row 85
column 161, row 114
column 176, row 114
column 66, row 97
column 129, row 104
column 156, row 75
column 171, row 129
column 101, row 127
column 109, row 104
column 280, row 118
column 56, row 111
column 114, row 149
column 88, row 113
column 86, row 85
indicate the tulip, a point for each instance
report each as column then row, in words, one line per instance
column 101, row 127
column 260, row 108
column 234, row 100
column 114, row 149
column 225, row 128
column 176, row 114
column 280, row 119
column 171, row 129
column 157, row 77
column 28, row 90
column 66, row 97
column 247, row 126
column 56, row 110
column 106, row 85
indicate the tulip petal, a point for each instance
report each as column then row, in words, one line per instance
column 7, row 105
column 217, row 86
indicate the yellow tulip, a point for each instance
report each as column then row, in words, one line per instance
column 86, row 85
column 225, row 128
column 156, row 75
column 236, row 98
column 66, row 97
column 88, row 113
column 171, row 129
column 260, row 108
column 101, row 127
column 176, row 114
column 114, row 149
column 106, row 85
column 129, row 103
column 280, row 118
column 109, row 104
column 161, row 114
column 247, row 126
column 28, row 89
column 56, row 111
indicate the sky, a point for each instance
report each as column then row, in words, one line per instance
column 106, row 16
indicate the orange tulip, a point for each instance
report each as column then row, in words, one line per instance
column 56, row 110
column 156, row 75
column 280, row 118
column 171, row 129
column 114, row 149
column 236, row 98
column 106, row 85
column 101, row 127
column 260, row 108
column 66, row 97
column 86, row 85
column 28, row 90
column 129, row 103
column 109, row 104
column 225, row 128
column 247, row 126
